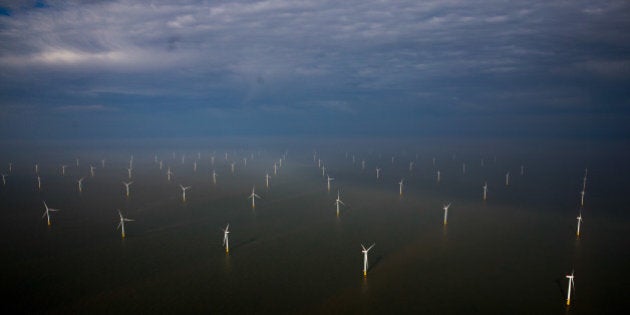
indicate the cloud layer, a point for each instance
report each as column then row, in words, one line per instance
column 369, row 61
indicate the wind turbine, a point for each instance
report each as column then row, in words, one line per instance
column 226, row 240
column 80, row 182
column 92, row 168
column 63, row 170
column 464, row 168
column 36, row 168
column 401, row 185
column 571, row 278
column 232, row 165
column 522, row 170
column 129, row 172
column 161, row 164
column 212, row 160
column 507, row 179
column 275, row 168
column 329, row 180
column 579, row 223
column 445, row 207
column 267, row 179
column 378, row 173
column 323, row 170
column 10, row 167
column 338, row 202
column 214, row 177
column 365, row 258
column 363, row 165
column 122, row 223
column 485, row 190
column 77, row 161
column 184, row 191
column 253, row 196
column 169, row 174
column 102, row 163
column 245, row 162
column 438, row 175
column 195, row 166
column 4, row 179
column 127, row 187
column 410, row 166
column 39, row 183
column 47, row 213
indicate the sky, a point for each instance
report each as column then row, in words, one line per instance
column 121, row 69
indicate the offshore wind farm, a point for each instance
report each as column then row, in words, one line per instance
column 295, row 248
column 314, row 157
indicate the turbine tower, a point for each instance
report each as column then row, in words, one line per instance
column 184, row 191
column 445, row 207
column 127, row 184
column 226, row 240
column 47, row 213
column 338, row 202
column 365, row 258
column 122, row 223
column 571, row 278
column 253, row 196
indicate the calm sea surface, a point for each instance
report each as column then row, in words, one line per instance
column 292, row 254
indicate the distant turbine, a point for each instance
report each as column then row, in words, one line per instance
column 77, row 161
column 92, row 168
column 47, row 213
column 378, row 173
column 522, row 170
column 411, row 166
column 445, row 207
column 214, row 177
column 121, row 224
column 39, row 183
column 338, row 202
column 195, row 166
column 363, row 165
column 464, row 168
column 232, row 165
column 226, row 240
column 323, row 170
column 267, row 179
column 103, row 163
column 184, row 191
column 4, row 179
column 571, row 286
column 245, row 162
column 253, row 196
column 10, row 167
column 161, row 164
column 392, row 160
column 365, row 258
column 63, row 170
column 80, row 182
column 438, row 176
column 127, row 187
column 129, row 172
column 183, row 159
column 485, row 190
column 169, row 174
column 400, row 184
column 507, row 179
column 36, row 168
column 434, row 161
column 280, row 163
column 329, row 180
column 275, row 169
column 579, row 223
column 212, row 160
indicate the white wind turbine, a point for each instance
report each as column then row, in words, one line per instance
column 365, row 258
column 464, row 168
column 4, row 179
column 92, row 168
column 127, row 184
column 184, row 188
column 39, row 183
column 378, row 173
column 253, row 196
column 411, row 166
column 36, row 168
column 571, row 278
column 328, row 181
column 400, row 184
column 63, row 170
column 129, row 172
column 10, row 167
column 232, row 166
column 323, row 170
column 245, row 162
column 267, row 179
column 439, row 177
column 507, row 179
column 169, row 174
column 102, row 163
column 338, row 202
column 226, row 240
column 47, row 213
column 195, row 166
column 445, row 207
column 275, row 168
column 121, row 224
column 161, row 164
column 214, row 177
column 363, row 165
column 80, row 183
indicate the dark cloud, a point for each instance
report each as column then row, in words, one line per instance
column 409, row 59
